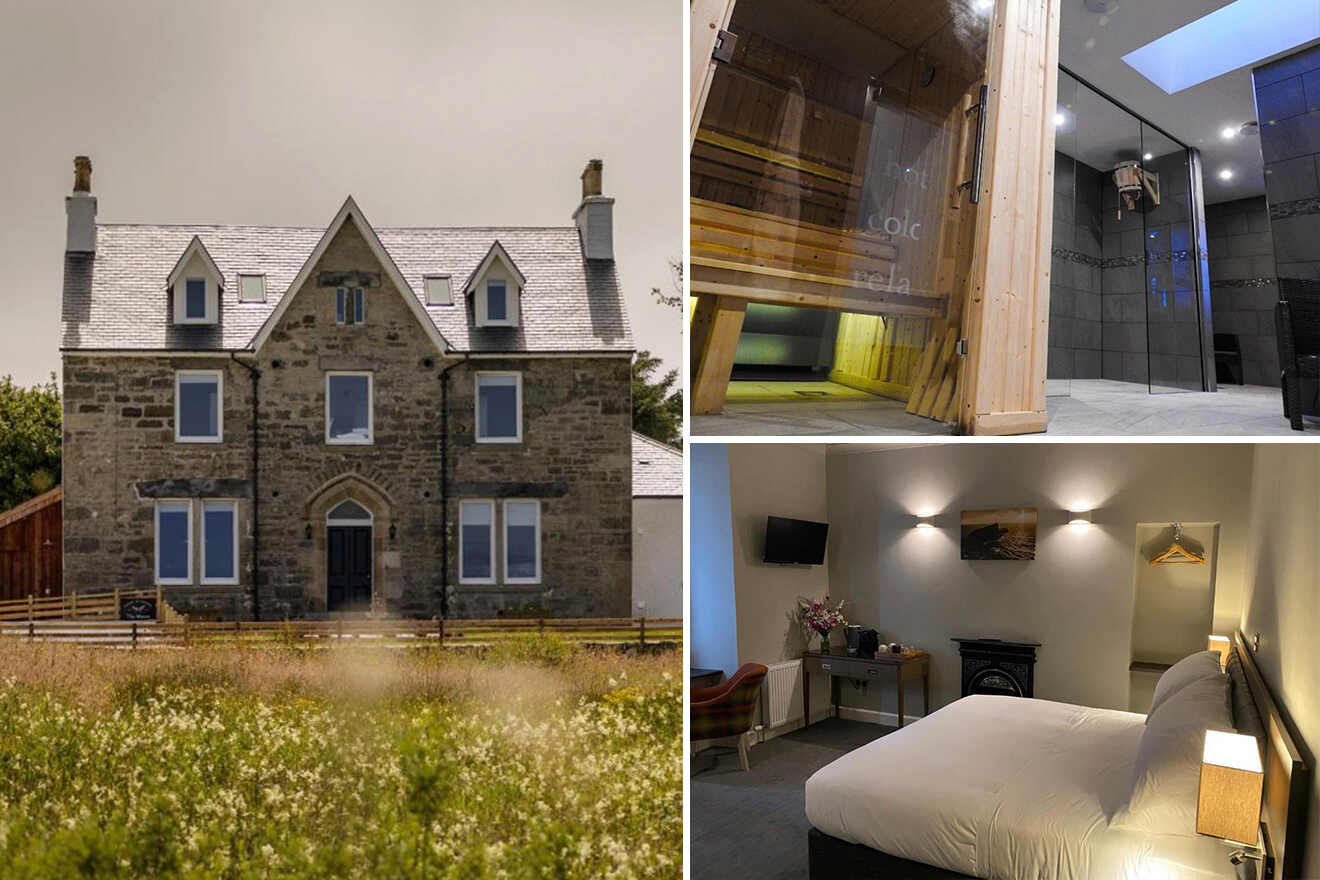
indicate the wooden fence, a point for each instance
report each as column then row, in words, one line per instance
column 106, row 605
column 641, row 631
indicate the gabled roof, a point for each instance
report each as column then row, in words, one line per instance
column 113, row 299
column 195, row 247
column 657, row 469
column 350, row 210
column 31, row 506
column 496, row 252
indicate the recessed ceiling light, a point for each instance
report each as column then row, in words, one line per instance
column 1147, row 157
column 1226, row 174
column 1228, row 133
column 1233, row 36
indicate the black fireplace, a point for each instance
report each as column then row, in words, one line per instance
column 993, row 666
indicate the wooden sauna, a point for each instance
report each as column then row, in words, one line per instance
column 841, row 159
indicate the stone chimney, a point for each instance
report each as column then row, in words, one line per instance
column 595, row 216
column 81, row 209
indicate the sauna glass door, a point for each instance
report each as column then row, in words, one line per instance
column 828, row 173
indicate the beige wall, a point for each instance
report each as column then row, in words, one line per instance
column 1076, row 597
column 1281, row 596
column 766, row 481
column 657, row 559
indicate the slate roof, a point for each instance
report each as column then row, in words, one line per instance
column 657, row 469
column 117, row 299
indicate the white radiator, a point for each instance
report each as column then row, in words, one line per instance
column 783, row 693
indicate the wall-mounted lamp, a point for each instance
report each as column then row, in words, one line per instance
column 393, row 532
column 926, row 522
column 308, row 533
column 1080, row 518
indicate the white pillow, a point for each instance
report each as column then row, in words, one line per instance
column 1167, row 772
column 1193, row 667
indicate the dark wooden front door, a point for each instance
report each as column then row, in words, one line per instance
column 348, row 581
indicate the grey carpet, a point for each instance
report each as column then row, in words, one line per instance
column 754, row 824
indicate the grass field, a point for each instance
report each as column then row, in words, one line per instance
column 533, row 760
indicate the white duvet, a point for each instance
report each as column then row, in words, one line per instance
column 1006, row 789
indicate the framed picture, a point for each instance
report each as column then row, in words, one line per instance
column 1002, row 533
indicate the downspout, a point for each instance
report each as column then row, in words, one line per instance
column 256, row 484
column 444, row 486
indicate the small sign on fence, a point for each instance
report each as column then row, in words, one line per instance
column 134, row 608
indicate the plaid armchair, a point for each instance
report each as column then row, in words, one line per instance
column 1297, row 319
column 726, row 710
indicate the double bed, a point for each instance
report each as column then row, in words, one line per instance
column 1003, row 787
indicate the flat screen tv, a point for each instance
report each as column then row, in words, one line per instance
column 794, row 541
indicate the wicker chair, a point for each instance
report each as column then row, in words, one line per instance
column 1297, row 318
column 725, row 711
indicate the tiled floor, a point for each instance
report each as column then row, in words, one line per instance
column 753, row 825
column 1093, row 407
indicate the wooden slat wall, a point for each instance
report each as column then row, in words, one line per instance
column 1008, row 315
column 31, row 554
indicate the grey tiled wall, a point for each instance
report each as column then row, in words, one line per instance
column 1075, row 329
column 1243, row 285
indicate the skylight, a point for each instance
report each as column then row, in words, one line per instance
column 1241, row 33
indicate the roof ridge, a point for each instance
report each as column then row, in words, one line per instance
column 664, row 447
column 102, row 224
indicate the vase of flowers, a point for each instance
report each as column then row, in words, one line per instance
column 821, row 617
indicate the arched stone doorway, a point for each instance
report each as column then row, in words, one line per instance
column 351, row 520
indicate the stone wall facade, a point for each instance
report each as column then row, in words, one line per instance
column 574, row 458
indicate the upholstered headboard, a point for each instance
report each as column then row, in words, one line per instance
column 1288, row 765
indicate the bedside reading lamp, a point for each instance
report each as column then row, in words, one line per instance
column 1228, row 802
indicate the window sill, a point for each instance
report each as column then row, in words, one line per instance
column 493, row 587
column 332, row 442
column 507, row 441
column 178, row 439
column 174, row 582
column 226, row 582
column 476, row 583
column 197, row 322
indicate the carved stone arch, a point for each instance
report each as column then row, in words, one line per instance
column 353, row 486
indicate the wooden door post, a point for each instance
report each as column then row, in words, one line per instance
column 715, row 329
column 709, row 17
column 1007, row 320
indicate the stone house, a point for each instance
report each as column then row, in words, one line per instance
column 273, row 421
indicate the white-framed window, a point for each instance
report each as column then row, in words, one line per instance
column 251, row 287
column 522, row 541
column 497, row 302
column 499, row 407
column 199, row 406
column 438, row 291
column 348, row 408
column 194, row 302
column 173, row 542
column 476, row 528
column 350, row 306
column 219, row 542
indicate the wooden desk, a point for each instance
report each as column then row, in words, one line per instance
column 837, row 664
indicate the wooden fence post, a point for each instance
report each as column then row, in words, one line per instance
column 540, row 628
column 114, row 615
column 74, row 613
column 31, row 606
column 442, row 631
column 641, row 633
column 186, row 640
column 32, row 630
column 135, row 635
column 160, row 603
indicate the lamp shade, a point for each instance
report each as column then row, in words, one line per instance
column 1228, row 803
column 926, row 522
column 1221, row 644
column 1079, row 517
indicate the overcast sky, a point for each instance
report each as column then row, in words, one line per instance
column 428, row 113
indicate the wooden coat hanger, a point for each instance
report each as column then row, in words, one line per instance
column 1178, row 553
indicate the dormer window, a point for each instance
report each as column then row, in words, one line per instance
column 194, row 304
column 196, row 283
column 497, row 302
column 496, row 287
